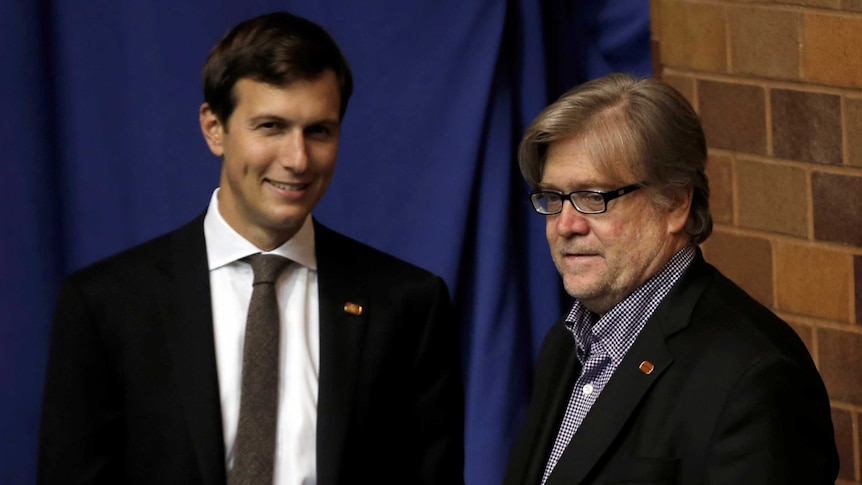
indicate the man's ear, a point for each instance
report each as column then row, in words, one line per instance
column 212, row 129
column 679, row 211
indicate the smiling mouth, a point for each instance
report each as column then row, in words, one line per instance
column 283, row 186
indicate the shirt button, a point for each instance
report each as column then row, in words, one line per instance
column 588, row 389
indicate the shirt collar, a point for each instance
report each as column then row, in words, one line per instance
column 615, row 331
column 225, row 245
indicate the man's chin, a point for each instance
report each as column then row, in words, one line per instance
column 579, row 290
column 583, row 290
column 288, row 217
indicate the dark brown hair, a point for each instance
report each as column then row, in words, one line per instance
column 277, row 49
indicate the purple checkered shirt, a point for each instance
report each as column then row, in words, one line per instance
column 600, row 345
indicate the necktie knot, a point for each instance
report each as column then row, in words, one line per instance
column 267, row 267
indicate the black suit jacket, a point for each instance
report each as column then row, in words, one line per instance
column 132, row 388
column 734, row 398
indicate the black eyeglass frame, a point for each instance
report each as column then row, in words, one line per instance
column 606, row 196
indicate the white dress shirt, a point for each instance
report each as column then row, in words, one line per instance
column 299, row 351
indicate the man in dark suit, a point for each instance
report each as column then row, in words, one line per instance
column 147, row 353
column 664, row 371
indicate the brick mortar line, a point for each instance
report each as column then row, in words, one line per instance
column 815, row 340
column 826, row 11
column 847, row 170
column 788, row 239
column 846, row 406
column 763, row 82
column 816, row 322
column 854, row 411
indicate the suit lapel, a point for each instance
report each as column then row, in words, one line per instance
column 613, row 407
column 342, row 334
column 553, row 388
column 630, row 384
column 186, row 307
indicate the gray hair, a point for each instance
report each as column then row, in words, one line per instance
column 631, row 127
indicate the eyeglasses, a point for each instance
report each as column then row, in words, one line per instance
column 549, row 202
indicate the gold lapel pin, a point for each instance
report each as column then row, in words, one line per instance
column 353, row 308
column 646, row 367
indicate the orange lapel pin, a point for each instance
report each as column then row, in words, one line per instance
column 646, row 367
column 353, row 308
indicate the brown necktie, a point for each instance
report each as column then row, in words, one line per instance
column 254, row 448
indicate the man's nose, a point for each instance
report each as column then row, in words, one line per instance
column 293, row 153
column 570, row 221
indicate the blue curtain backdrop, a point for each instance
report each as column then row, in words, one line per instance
column 101, row 150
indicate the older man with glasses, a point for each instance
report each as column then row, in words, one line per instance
column 663, row 371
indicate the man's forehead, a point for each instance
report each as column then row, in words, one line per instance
column 325, row 77
column 576, row 167
column 319, row 95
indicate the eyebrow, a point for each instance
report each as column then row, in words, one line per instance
column 579, row 186
column 271, row 117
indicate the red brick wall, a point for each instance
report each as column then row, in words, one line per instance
column 778, row 85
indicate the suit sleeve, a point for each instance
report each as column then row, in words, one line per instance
column 775, row 428
column 80, row 435
column 439, row 399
